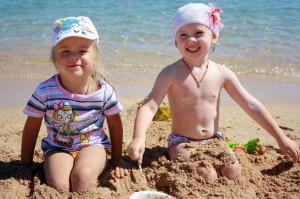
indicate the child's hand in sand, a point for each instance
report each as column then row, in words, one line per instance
column 24, row 174
column 120, row 167
column 289, row 148
column 136, row 149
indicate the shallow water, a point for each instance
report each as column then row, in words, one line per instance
column 259, row 37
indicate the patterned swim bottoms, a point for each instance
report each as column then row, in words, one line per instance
column 174, row 139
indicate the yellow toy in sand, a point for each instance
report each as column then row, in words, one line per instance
column 163, row 113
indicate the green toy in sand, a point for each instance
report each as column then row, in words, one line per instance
column 252, row 147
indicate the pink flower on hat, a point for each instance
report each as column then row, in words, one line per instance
column 216, row 15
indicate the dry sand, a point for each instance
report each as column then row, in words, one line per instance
column 262, row 176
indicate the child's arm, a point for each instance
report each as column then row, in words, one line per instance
column 29, row 137
column 146, row 113
column 116, row 136
column 143, row 119
column 260, row 115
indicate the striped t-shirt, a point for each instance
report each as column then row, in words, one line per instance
column 73, row 121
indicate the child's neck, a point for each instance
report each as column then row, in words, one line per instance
column 78, row 86
column 198, row 63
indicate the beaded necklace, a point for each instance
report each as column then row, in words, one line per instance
column 198, row 83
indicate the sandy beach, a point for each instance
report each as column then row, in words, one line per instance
column 262, row 176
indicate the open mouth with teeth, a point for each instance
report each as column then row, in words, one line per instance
column 192, row 50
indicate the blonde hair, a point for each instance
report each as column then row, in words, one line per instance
column 95, row 74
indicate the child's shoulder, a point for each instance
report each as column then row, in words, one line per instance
column 172, row 67
column 48, row 82
column 221, row 70
column 169, row 71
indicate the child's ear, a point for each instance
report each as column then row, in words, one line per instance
column 214, row 38
column 175, row 43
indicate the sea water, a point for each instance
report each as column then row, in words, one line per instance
column 260, row 36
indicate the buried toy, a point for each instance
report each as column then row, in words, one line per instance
column 252, row 147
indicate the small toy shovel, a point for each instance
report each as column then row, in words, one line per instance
column 143, row 177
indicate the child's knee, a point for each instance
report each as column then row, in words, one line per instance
column 231, row 171
column 83, row 175
column 207, row 172
column 179, row 149
column 60, row 185
column 81, row 180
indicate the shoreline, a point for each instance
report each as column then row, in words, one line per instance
column 265, row 88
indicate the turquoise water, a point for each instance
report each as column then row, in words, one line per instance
column 260, row 36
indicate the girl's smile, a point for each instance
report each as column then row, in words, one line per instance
column 193, row 50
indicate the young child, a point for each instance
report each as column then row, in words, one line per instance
column 193, row 85
column 74, row 104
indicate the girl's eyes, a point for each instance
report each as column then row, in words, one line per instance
column 67, row 52
column 196, row 35
column 64, row 52
column 199, row 33
column 183, row 36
